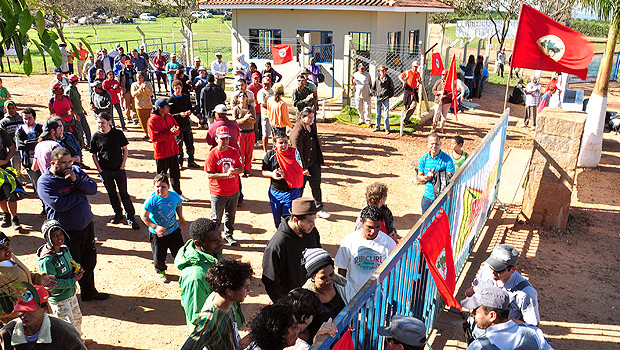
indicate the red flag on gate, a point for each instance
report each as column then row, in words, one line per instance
column 437, row 249
column 542, row 43
column 437, row 64
column 282, row 53
column 451, row 85
column 345, row 342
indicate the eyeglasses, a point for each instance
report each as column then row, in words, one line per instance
column 501, row 271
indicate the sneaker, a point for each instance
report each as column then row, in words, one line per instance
column 117, row 219
column 231, row 241
column 146, row 138
column 16, row 225
column 376, row 130
column 360, row 123
column 134, row 224
column 163, row 277
column 323, row 214
column 96, row 296
column 6, row 220
column 193, row 165
column 387, row 132
column 524, row 125
column 185, row 199
column 533, row 128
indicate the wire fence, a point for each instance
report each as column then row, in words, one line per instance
column 402, row 285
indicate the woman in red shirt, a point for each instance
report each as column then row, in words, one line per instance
column 60, row 105
column 113, row 87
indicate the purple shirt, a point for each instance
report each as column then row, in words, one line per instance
column 43, row 154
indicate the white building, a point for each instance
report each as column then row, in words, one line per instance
column 392, row 26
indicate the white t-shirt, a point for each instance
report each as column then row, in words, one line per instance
column 262, row 97
column 362, row 84
column 361, row 257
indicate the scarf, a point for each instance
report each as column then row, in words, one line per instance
column 291, row 166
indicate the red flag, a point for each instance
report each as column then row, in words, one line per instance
column 437, row 249
column 345, row 342
column 542, row 43
column 437, row 64
column 282, row 53
column 451, row 85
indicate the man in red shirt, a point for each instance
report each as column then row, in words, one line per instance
column 162, row 130
column 410, row 80
column 223, row 167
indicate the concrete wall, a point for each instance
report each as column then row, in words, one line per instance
column 339, row 22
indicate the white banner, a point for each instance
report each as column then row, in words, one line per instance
column 483, row 28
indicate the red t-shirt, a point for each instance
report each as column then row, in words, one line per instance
column 61, row 107
column 219, row 162
column 411, row 78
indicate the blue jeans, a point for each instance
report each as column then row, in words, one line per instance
column 119, row 110
column 383, row 107
column 281, row 203
column 426, row 203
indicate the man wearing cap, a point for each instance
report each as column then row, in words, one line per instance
column 383, row 88
column 302, row 96
column 362, row 81
column 12, row 122
column 64, row 66
column 443, row 101
column 404, row 333
column 171, row 69
column 159, row 66
column 489, row 306
column 193, row 72
column 100, row 99
column 27, row 137
column 163, row 129
column 121, row 55
column 363, row 251
column 262, row 97
column 108, row 62
column 210, row 96
column 410, row 80
column 500, row 270
column 59, row 78
column 63, row 189
column 116, row 52
column 79, row 125
column 35, row 329
column 223, row 167
column 282, row 271
column 221, row 119
column 219, row 69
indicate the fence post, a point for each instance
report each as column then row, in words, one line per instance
column 308, row 45
column 207, row 49
column 346, row 66
column 479, row 46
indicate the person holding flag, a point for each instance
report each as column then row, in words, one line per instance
column 443, row 101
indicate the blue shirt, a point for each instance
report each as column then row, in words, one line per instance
column 172, row 65
column 428, row 163
column 163, row 211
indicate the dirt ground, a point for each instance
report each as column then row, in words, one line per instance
column 144, row 313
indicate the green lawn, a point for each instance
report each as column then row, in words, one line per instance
column 350, row 116
column 210, row 29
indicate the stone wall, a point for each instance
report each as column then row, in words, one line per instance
column 551, row 176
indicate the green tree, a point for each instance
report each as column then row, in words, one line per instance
column 592, row 139
column 16, row 21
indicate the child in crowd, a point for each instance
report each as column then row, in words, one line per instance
column 283, row 166
column 56, row 261
column 160, row 215
column 245, row 115
column 376, row 194
column 456, row 153
column 4, row 96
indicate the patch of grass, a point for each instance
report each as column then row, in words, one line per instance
column 349, row 115
column 496, row 79
column 167, row 29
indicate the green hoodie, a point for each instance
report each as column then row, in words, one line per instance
column 193, row 265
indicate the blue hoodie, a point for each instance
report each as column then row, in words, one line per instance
column 66, row 200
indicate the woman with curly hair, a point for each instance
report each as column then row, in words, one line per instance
column 216, row 328
column 274, row 327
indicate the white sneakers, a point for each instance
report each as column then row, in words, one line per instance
column 323, row 214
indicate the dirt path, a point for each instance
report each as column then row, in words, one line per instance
column 146, row 314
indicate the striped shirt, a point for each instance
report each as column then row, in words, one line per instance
column 427, row 163
column 215, row 329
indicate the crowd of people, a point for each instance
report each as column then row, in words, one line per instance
column 307, row 286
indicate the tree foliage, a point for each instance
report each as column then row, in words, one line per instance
column 16, row 20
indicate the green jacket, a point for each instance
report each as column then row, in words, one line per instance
column 75, row 98
column 58, row 265
column 193, row 265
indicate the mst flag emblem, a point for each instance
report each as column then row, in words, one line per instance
column 552, row 46
column 281, row 53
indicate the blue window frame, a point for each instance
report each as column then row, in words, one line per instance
column 260, row 41
column 361, row 40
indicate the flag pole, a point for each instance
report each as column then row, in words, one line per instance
column 507, row 87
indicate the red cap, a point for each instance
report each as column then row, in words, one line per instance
column 222, row 131
column 444, row 72
column 266, row 80
column 255, row 74
column 73, row 78
column 129, row 63
column 56, row 86
column 28, row 302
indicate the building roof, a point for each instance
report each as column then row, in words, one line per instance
column 359, row 5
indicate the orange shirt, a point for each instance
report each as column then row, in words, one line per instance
column 83, row 54
column 278, row 113
column 411, row 78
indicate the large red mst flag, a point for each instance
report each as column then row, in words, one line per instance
column 282, row 53
column 451, row 85
column 437, row 249
column 345, row 342
column 437, row 64
column 542, row 43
